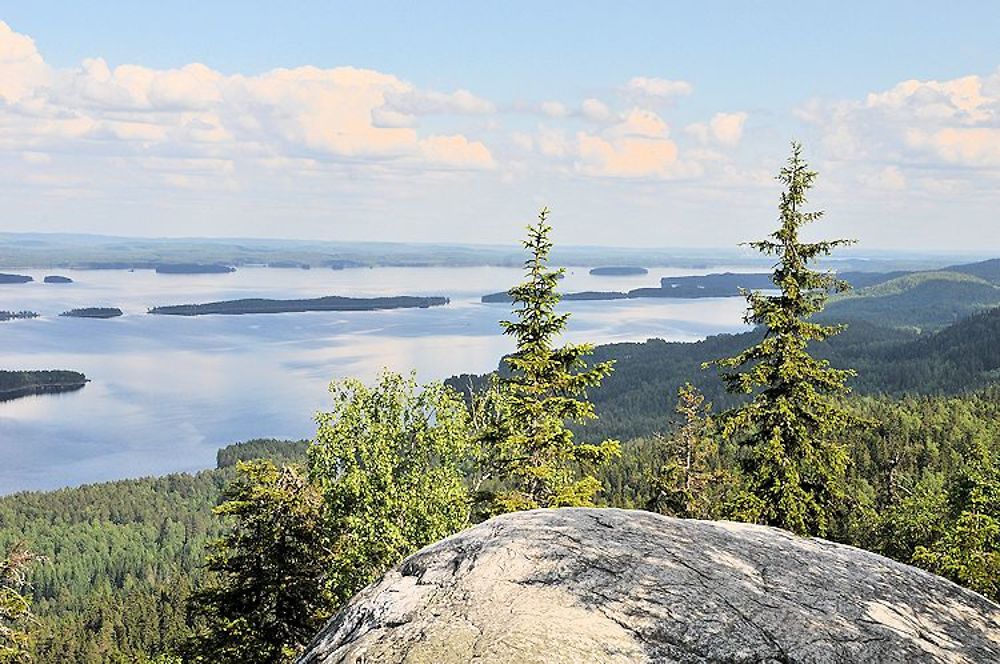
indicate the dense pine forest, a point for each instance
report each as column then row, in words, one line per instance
column 122, row 558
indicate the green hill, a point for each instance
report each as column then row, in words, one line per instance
column 920, row 300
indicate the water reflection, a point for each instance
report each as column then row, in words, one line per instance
column 166, row 392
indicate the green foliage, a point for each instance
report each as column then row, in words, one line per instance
column 793, row 466
column 268, row 590
column 120, row 561
column 389, row 461
column 280, row 451
column 15, row 606
column 542, row 463
column 688, row 484
column 968, row 552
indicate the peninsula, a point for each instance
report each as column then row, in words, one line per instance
column 330, row 303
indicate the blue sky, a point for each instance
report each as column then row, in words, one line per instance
column 637, row 122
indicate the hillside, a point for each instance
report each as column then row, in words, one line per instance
column 894, row 361
column 921, row 300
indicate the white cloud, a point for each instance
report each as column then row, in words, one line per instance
column 554, row 109
column 196, row 112
column 927, row 123
column 21, row 66
column 596, row 110
column 890, row 178
column 658, row 87
column 724, row 128
column 428, row 102
column 637, row 147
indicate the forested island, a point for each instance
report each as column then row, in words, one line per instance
column 329, row 303
column 14, row 278
column 17, row 384
column 93, row 312
column 623, row 271
column 17, row 315
column 57, row 279
column 194, row 268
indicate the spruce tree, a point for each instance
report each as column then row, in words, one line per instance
column 269, row 588
column 793, row 463
column 687, row 482
column 543, row 464
column 969, row 550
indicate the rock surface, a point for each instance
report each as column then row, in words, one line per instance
column 587, row 585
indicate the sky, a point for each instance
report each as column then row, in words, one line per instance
column 637, row 123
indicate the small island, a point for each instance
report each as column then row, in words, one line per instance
column 17, row 384
column 330, row 303
column 619, row 271
column 17, row 315
column 14, row 278
column 93, row 312
column 57, row 279
column 194, row 268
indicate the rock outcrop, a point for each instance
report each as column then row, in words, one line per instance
column 589, row 585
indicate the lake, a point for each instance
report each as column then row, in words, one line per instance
column 167, row 391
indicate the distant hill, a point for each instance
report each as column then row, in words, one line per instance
column 194, row 268
column 920, row 300
column 988, row 269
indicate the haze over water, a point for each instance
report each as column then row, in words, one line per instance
column 166, row 392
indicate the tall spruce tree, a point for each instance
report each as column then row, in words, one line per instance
column 543, row 465
column 793, row 463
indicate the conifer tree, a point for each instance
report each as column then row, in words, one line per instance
column 544, row 465
column 269, row 589
column 692, row 466
column 969, row 550
column 15, row 606
column 788, row 427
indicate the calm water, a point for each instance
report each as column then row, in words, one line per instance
column 167, row 392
